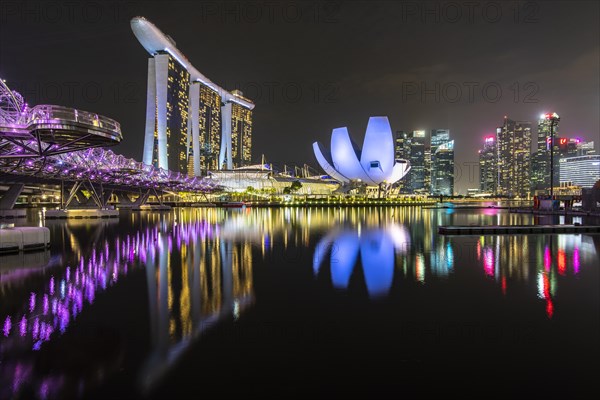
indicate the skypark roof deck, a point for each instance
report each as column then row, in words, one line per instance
column 155, row 41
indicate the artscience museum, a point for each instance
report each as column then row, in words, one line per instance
column 374, row 164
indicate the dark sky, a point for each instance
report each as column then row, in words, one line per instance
column 313, row 66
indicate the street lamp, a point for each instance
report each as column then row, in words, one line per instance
column 553, row 118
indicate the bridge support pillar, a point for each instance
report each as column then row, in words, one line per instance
column 77, row 205
column 140, row 203
column 8, row 200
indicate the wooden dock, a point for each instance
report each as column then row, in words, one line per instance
column 516, row 229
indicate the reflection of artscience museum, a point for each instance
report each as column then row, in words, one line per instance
column 377, row 248
column 374, row 164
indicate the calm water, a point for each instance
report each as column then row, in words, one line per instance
column 280, row 302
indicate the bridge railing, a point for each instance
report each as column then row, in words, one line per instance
column 46, row 112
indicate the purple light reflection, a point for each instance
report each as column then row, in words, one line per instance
column 47, row 314
column 7, row 326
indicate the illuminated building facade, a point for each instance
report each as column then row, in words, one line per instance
column 209, row 123
column 488, row 166
column 442, row 163
column 420, row 161
column 402, row 148
column 540, row 176
column 563, row 148
column 192, row 124
column 165, row 144
column 514, row 158
column 402, row 152
column 241, row 133
column 582, row 171
column 584, row 148
column 373, row 165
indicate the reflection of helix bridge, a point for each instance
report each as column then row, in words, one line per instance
column 212, row 286
column 52, row 142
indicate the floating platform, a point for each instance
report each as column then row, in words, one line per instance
column 569, row 212
column 516, row 229
column 153, row 207
column 81, row 213
column 13, row 213
column 232, row 204
column 24, row 238
column 203, row 205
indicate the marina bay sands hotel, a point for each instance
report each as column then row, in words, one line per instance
column 192, row 124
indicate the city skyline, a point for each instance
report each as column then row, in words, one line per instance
column 344, row 197
column 338, row 90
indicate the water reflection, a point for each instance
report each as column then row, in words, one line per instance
column 198, row 269
column 193, row 281
column 191, row 289
column 377, row 253
column 515, row 259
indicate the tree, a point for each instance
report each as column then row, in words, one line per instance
column 296, row 185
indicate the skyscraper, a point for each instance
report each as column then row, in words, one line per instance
column 488, row 166
column 540, row 174
column 236, row 137
column 427, row 168
column 514, row 163
column 167, row 114
column 402, row 146
column 402, row 152
column 209, row 128
column 192, row 124
column 241, row 133
column 442, row 163
column 420, row 163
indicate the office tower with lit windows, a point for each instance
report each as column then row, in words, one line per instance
column 192, row 124
column 540, row 174
column 401, row 146
column 402, row 152
column 442, row 163
column 420, row 161
column 427, row 163
column 488, row 166
column 514, row 158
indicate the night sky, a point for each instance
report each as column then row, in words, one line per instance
column 314, row 66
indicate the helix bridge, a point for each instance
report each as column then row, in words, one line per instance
column 50, row 144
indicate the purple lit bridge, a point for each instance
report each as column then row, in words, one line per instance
column 49, row 144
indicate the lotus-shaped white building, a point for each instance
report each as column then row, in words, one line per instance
column 374, row 165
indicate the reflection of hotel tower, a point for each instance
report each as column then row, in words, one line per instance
column 192, row 124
